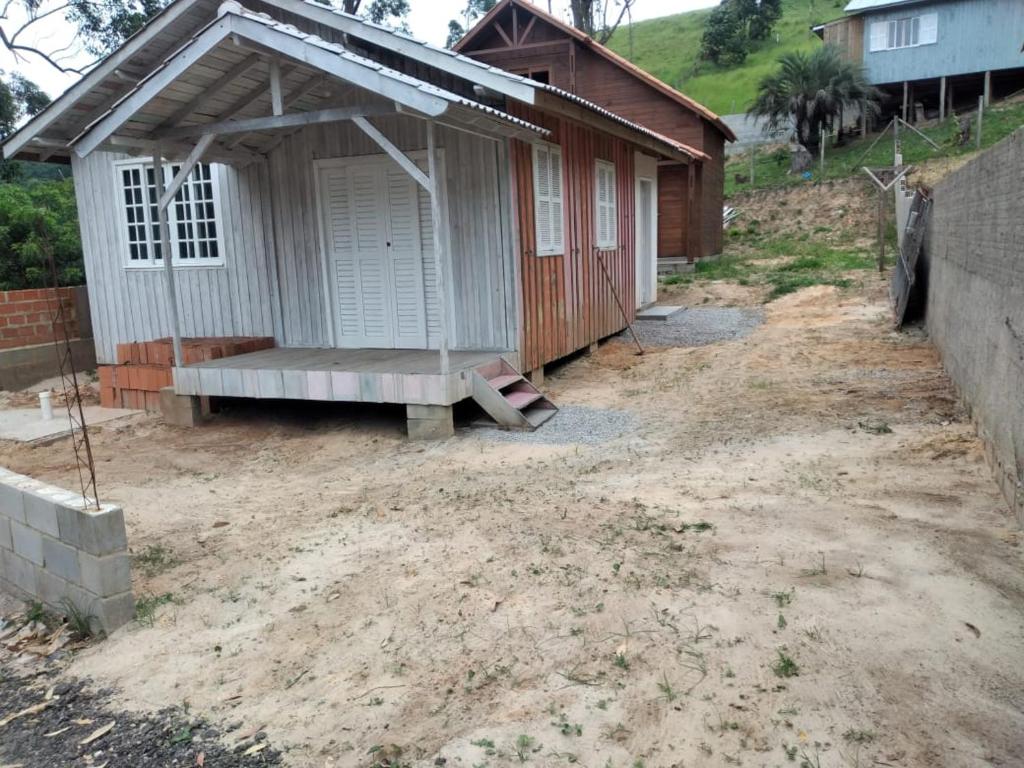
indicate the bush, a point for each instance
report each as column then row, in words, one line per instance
column 35, row 217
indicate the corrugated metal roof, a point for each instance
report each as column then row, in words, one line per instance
column 857, row 6
column 393, row 74
column 427, row 88
column 679, row 146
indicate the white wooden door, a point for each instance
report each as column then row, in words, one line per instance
column 374, row 255
column 646, row 238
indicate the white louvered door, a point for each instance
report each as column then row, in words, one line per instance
column 375, row 256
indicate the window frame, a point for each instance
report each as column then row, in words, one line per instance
column 151, row 262
column 612, row 243
column 553, row 150
column 894, row 32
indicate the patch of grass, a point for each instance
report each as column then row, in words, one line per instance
column 859, row 736
column 154, row 559
column 786, row 264
column 782, row 599
column 80, row 621
column 524, row 746
column 146, row 607
column 674, row 279
column 666, row 689
column 785, row 665
column 621, row 661
column 669, row 48
column 36, row 613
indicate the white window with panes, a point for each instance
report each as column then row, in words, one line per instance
column 606, row 210
column 549, row 217
column 193, row 216
column 907, row 32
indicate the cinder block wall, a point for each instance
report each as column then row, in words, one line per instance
column 25, row 316
column 974, row 253
column 52, row 550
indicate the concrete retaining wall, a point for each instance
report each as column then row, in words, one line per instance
column 52, row 550
column 974, row 260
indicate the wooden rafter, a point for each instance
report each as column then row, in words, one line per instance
column 275, row 122
column 212, row 90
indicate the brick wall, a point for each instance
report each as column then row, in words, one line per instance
column 26, row 316
column 54, row 551
column 974, row 271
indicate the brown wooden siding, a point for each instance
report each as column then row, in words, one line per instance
column 576, row 68
column 567, row 300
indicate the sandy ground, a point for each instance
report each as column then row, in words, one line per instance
column 806, row 500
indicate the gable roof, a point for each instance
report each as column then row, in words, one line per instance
column 87, row 103
column 234, row 22
column 608, row 54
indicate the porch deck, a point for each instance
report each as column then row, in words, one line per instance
column 401, row 376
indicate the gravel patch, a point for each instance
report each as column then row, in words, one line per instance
column 55, row 734
column 572, row 425
column 696, row 327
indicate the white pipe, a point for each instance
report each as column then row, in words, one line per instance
column 46, row 406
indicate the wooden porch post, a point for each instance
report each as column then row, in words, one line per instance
column 440, row 252
column 165, row 253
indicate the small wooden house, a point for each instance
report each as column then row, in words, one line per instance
column 408, row 225
column 520, row 37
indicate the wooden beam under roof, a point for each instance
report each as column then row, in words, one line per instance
column 276, row 122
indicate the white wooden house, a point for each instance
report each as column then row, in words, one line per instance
column 409, row 225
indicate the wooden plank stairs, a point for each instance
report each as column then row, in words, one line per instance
column 508, row 398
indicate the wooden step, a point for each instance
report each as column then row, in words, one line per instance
column 538, row 414
column 522, row 398
column 500, row 382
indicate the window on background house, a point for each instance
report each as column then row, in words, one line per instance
column 193, row 216
column 907, row 32
column 547, row 196
column 606, row 210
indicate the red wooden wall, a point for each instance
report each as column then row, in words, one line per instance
column 568, row 302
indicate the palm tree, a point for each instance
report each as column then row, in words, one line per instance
column 812, row 91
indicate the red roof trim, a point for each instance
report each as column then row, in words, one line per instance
column 601, row 50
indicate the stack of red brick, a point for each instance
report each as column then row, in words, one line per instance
column 144, row 367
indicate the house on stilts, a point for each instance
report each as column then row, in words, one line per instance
column 401, row 223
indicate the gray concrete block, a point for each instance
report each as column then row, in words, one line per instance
column 52, row 589
column 114, row 612
column 27, row 542
column 104, row 576
column 12, row 503
column 21, row 573
column 5, row 534
column 430, row 422
column 41, row 514
column 183, row 410
column 102, row 533
column 68, row 525
column 61, row 560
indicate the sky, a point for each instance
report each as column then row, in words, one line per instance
column 428, row 20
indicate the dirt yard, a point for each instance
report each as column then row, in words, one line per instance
column 794, row 556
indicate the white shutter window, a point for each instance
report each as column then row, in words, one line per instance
column 547, row 197
column 879, row 35
column 929, row 29
column 606, row 211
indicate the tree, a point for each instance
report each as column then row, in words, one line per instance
column 475, row 9
column 592, row 16
column 104, row 25
column 724, row 41
column 811, row 91
column 35, row 218
column 734, row 25
column 19, row 98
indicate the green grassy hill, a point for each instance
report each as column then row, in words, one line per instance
column 669, row 48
